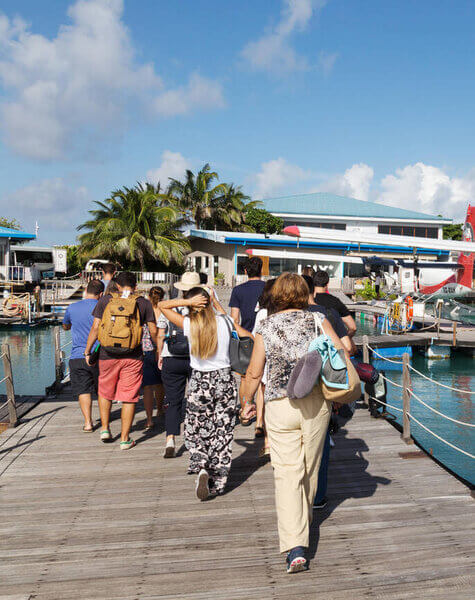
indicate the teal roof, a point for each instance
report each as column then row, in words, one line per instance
column 6, row 232
column 323, row 203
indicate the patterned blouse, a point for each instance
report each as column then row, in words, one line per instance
column 286, row 337
column 147, row 344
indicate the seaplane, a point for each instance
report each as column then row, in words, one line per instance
column 445, row 280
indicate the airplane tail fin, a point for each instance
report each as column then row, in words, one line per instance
column 465, row 275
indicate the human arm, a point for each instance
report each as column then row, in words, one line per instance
column 235, row 314
column 92, row 338
column 167, row 306
column 67, row 320
column 254, row 373
column 161, row 334
column 350, row 325
column 234, row 303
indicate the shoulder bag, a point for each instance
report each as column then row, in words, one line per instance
column 240, row 349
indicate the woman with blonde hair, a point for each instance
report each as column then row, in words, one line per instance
column 296, row 428
column 212, row 404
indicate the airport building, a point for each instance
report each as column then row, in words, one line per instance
column 331, row 216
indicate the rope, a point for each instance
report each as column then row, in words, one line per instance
column 66, row 344
column 386, row 404
column 439, row 413
column 439, row 438
column 4, row 379
column 441, row 384
column 391, row 381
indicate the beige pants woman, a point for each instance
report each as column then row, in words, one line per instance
column 296, row 430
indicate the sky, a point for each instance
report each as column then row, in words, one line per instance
column 363, row 98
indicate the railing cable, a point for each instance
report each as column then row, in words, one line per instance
column 439, row 413
column 440, row 438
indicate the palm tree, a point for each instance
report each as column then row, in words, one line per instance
column 196, row 196
column 131, row 224
column 230, row 210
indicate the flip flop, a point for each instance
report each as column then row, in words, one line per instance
column 127, row 445
column 87, row 430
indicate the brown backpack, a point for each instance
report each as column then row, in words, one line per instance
column 120, row 330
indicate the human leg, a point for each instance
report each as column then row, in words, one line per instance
column 85, row 403
column 83, row 385
column 127, row 418
column 148, row 402
column 315, row 417
column 323, row 473
column 260, row 411
column 175, row 372
column 108, row 378
column 199, row 421
column 128, row 387
column 220, row 442
column 283, row 426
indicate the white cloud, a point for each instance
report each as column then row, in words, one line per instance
column 173, row 165
column 57, row 206
column 428, row 189
column 200, row 92
column 326, row 61
column 82, row 84
column 274, row 51
column 355, row 182
column 277, row 175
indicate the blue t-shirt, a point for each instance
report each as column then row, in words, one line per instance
column 79, row 316
column 245, row 297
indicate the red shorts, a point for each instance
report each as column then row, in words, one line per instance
column 120, row 379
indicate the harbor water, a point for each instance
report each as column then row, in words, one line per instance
column 32, row 354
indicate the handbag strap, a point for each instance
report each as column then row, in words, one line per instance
column 228, row 322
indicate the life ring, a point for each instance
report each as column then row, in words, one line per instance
column 409, row 309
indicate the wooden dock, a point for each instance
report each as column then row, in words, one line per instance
column 81, row 519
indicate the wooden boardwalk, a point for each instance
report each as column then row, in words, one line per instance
column 80, row 519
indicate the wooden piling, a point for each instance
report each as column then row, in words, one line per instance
column 406, row 399
column 7, row 369
column 454, row 334
column 58, row 364
column 366, row 360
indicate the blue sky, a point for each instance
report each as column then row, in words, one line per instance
column 364, row 98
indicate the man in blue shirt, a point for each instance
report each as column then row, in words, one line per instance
column 79, row 319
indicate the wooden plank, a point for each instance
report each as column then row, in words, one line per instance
column 95, row 522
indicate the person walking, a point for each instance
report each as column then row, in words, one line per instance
column 108, row 272
column 211, row 407
column 296, row 428
column 118, row 324
column 174, row 362
column 152, row 377
column 244, row 305
column 78, row 318
column 324, row 298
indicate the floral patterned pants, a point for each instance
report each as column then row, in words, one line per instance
column 211, row 412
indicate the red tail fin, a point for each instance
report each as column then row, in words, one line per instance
column 465, row 275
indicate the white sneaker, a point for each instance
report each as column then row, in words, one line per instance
column 170, row 449
column 202, row 485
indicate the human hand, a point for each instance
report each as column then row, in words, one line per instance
column 88, row 359
column 199, row 301
column 160, row 362
column 248, row 410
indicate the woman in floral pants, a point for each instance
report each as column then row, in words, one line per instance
column 209, row 425
column 212, row 403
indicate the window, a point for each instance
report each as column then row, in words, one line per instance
column 30, row 257
column 340, row 226
column 409, row 230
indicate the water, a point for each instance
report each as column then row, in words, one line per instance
column 32, row 355
column 457, row 372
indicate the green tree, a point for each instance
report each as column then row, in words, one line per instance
column 133, row 224
column 197, row 197
column 453, row 231
column 9, row 223
column 263, row 221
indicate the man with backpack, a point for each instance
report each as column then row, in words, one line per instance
column 118, row 322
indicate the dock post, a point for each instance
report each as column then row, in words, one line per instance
column 406, row 399
column 365, row 360
column 58, row 367
column 7, row 369
column 454, row 334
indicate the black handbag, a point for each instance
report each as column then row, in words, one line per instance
column 240, row 349
column 177, row 341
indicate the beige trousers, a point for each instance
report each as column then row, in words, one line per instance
column 296, row 430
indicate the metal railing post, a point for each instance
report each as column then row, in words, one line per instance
column 58, row 364
column 7, row 368
column 406, row 399
column 366, row 360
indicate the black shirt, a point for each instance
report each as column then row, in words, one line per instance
column 330, row 301
column 335, row 320
column 245, row 297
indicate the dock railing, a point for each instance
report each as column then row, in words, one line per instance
column 8, row 380
column 408, row 395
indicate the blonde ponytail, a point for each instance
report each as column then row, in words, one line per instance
column 203, row 332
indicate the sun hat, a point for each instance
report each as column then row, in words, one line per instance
column 188, row 280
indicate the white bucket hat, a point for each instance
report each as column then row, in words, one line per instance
column 188, row 280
